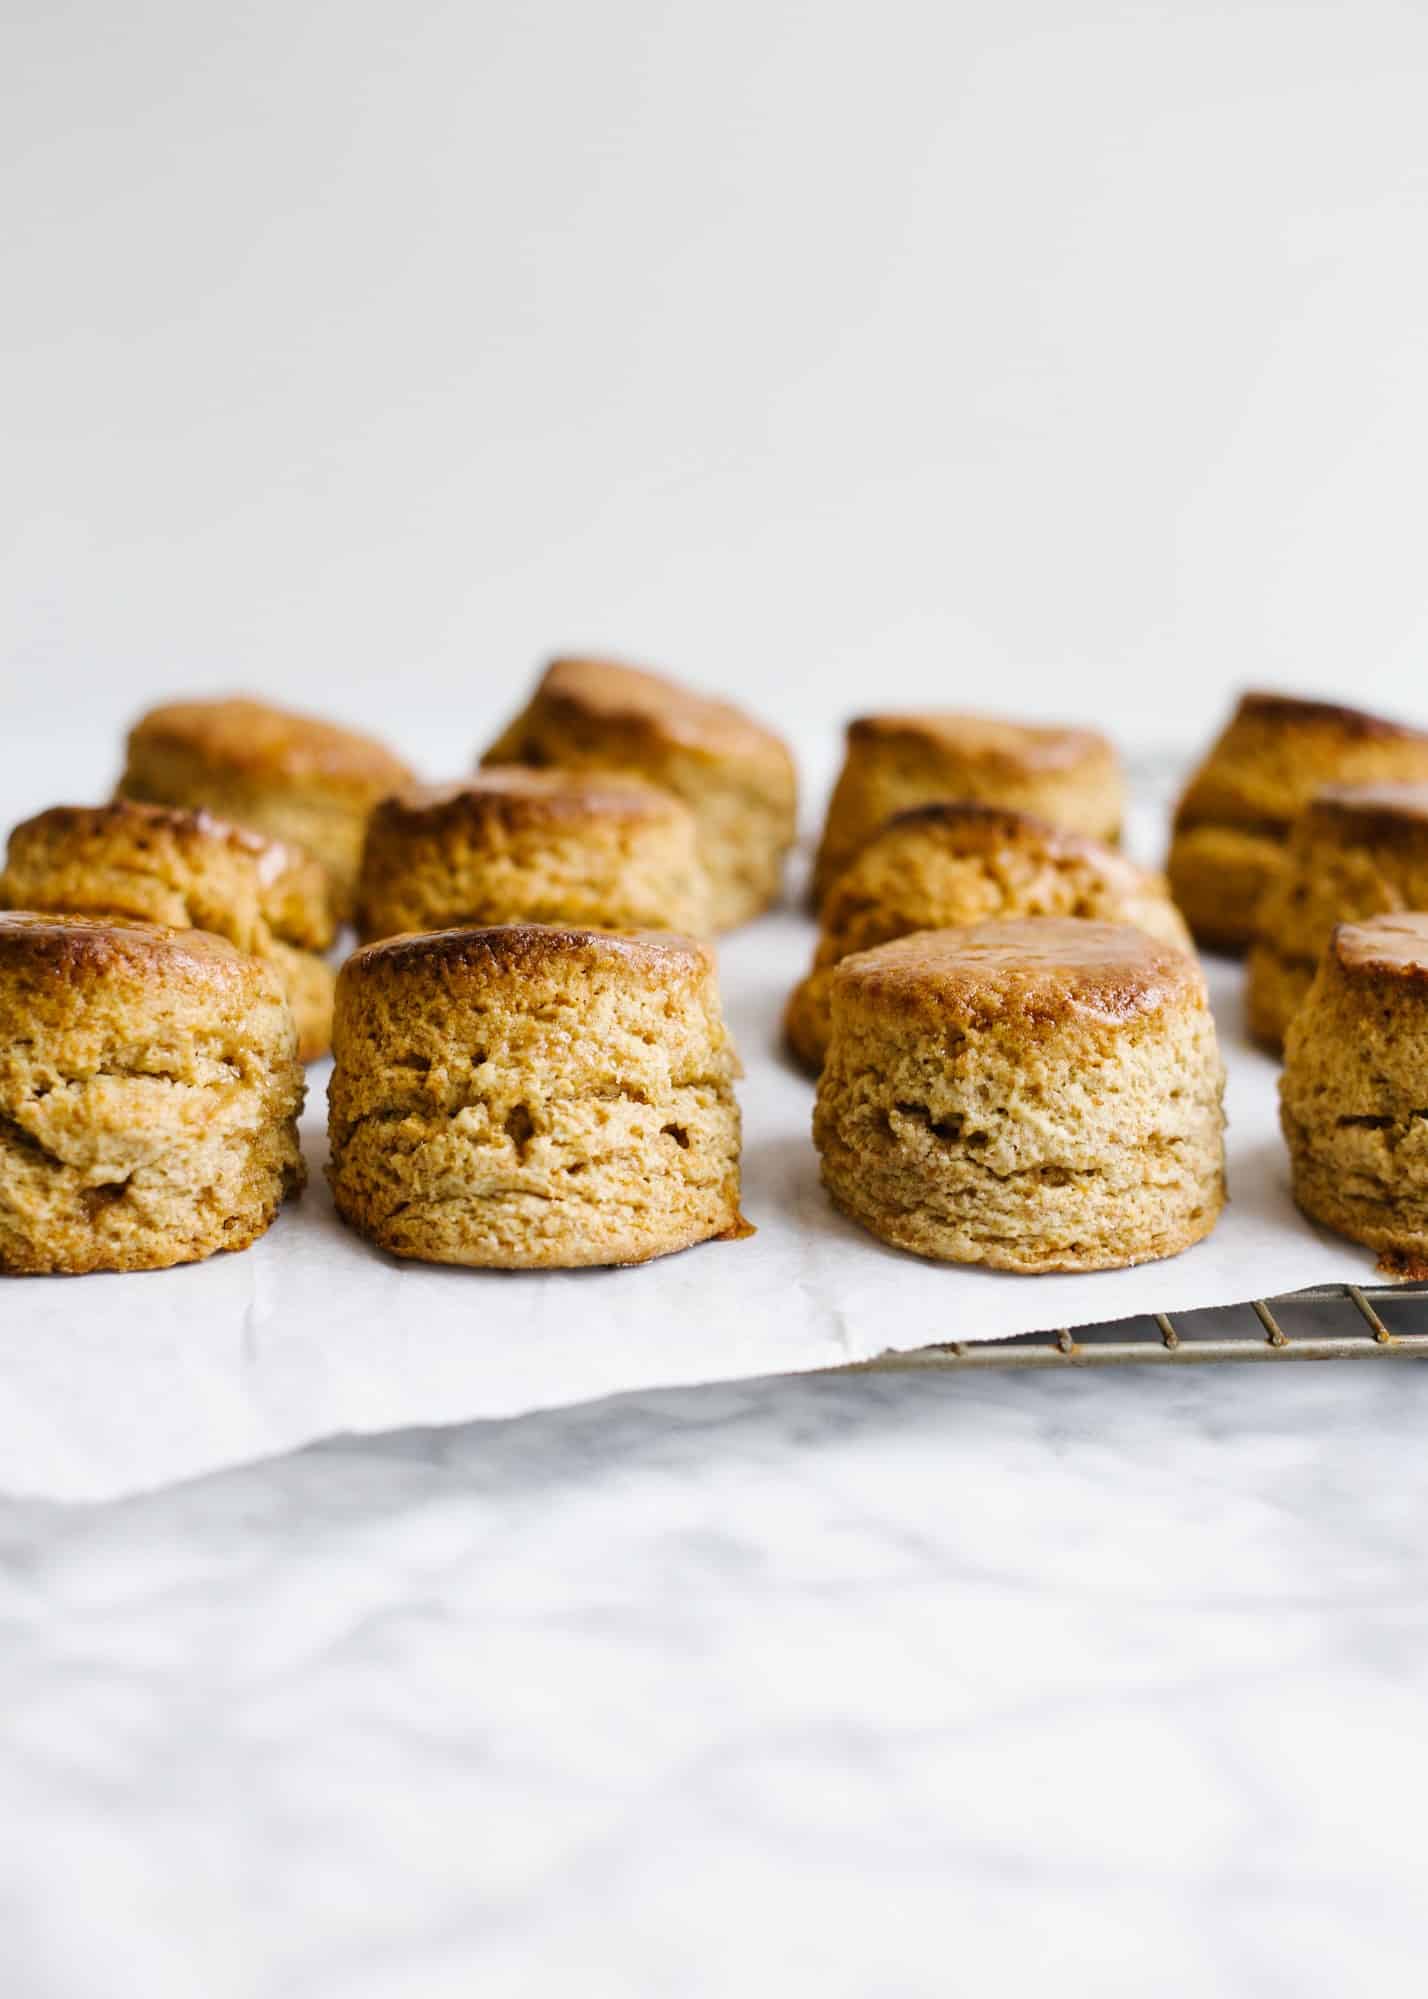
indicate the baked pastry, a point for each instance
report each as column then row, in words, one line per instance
column 1352, row 1093
column 1355, row 851
column 1042, row 1094
column 1070, row 776
column 513, row 845
column 736, row 777
column 528, row 1098
column 939, row 867
column 290, row 776
column 191, row 871
column 149, row 1094
column 1232, row 823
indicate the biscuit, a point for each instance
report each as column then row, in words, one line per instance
column 1042, row 1094
column 1354, row 1093
column 188, row 870
column 1355, row 851
column 1070, row 777
column 291, row 776
column 591, row 849
column 736, row 777
column 1233, row 819
column 529, row 1098
column 939, row 867
column 149, row 1094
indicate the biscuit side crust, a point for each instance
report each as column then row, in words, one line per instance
column 1355, row 853
column 1078, row 1145
column 164, row 864
column 1344, row 864
column 1275, row 989
column 1353, row 1103
column 896, row 764
column 736, row 777
column 294, row 779
column 330, row 828
column 1219, row 876
column 528, row 1099
column 185, row 869
column 149, row 1093
column 945, row 866
column 596, row 853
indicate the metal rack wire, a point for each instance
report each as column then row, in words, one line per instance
column 1329, row 1322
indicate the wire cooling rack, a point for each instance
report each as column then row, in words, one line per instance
column 1331, row 1322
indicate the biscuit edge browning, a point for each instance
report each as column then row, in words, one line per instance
column 1353, row 1106
column 1032, row 1095
column 531, row 1097
column 148, row 1110
column 735, row 774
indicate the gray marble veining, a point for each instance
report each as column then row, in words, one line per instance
column 841, row 1685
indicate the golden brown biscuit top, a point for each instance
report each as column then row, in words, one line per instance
column 1372, row 812
column 631, row 694
column 256, row 739
column 76, row 948
column 1387, row 946
column 526, row 795
column 1299, row 711
column 528, row 949
column 128, row 821
column 968, row 827
column 1034, row 969
column 986, row 739
column 1278, row 750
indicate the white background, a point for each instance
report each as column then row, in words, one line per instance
column 1057, row 358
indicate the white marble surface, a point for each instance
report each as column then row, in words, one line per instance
column 841, row 1685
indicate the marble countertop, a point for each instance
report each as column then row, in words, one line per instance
column 848, row 1684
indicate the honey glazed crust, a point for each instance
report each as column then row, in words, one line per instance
column 1036, row 969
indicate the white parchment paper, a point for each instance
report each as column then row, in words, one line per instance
column 112, row 1383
